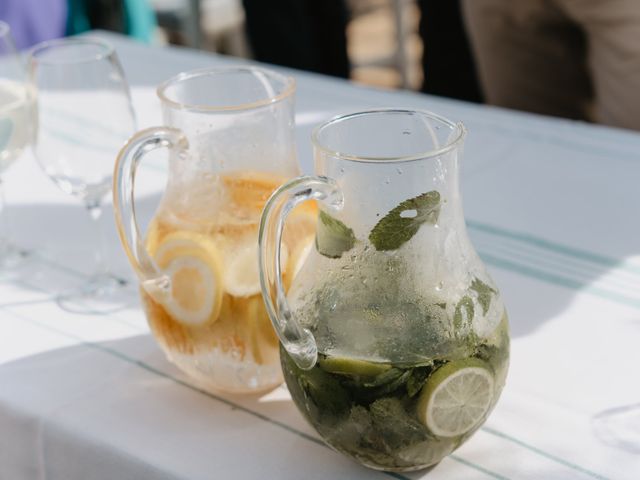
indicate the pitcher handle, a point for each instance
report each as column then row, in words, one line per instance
column 152, row 280
column 298, row 341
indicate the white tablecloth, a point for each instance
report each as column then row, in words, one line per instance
column 552, row 207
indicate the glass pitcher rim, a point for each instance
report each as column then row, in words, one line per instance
column 106, row 52
column 450, row 145
column 288, row 90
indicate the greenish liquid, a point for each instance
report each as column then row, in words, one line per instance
column 369, row 410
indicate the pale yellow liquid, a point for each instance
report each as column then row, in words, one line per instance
column 237, row 352
column 14, row 118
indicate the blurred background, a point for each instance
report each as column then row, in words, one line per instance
column 567, row 58
column 376, row 42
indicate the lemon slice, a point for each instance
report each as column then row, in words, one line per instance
column 299, row 235
column 296, row 261
column 301, row 224
column 241, row 278
column 456, row 397
column 192, row 263
column 251, row 188
column 262, row 340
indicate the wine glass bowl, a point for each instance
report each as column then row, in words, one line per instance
column 84, row 114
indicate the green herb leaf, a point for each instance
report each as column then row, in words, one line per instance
column 385, row 378
column 333, row 237
column 394, row 385
column 485, row 292
column 325, row 392
column 417, row 379
column 394, row 424
column 398, row 226
column 464, row 306
column 366, row 390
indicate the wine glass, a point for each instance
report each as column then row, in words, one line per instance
column 14, row 135
column 83, row 117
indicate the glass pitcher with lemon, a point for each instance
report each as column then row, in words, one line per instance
column 395, row 338
column 230, row 134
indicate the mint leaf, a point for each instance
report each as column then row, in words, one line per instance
column 464, row 306
column 417, row 379
column 394, row 425
column 392, row 385
column 333, row 237
column 485, row 292
column 403, row 222
column 384, row 378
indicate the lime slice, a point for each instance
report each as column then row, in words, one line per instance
column 456, row 397
column 192, row 263
column 352, row 366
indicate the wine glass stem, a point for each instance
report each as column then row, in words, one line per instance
column 95, row 212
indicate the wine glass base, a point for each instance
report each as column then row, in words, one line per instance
column 103, row 294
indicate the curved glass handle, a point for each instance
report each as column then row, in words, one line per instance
column 298, row 341
column 154, row 282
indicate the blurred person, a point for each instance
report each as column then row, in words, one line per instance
column 448, row 66
column 572, row 58
column 305, row 34
column 311, row 35
column 131, row 17
column 34, row 21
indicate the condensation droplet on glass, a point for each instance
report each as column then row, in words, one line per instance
column 387, row 181
column 440, row 286
column 399, row 170
column 406, row 132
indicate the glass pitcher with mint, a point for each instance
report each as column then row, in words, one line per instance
column 394, row 339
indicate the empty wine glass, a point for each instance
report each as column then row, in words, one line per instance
column 14, row 134
column 83, row 117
